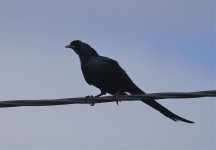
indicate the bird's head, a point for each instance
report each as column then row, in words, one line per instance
column 81, row 48
column 75, row 45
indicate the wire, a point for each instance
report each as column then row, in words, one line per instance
column 105, row 99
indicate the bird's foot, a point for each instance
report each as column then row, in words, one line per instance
column 116, row 97
column 90, row 98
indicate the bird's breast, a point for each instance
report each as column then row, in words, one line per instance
column 92, row 72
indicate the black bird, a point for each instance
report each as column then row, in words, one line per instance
column 107, row 75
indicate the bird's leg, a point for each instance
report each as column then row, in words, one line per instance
column 91, row 97
column 102, row 93
column 116, row 96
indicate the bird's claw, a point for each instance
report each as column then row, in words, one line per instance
column 90, row 98
column 117, row 103
column 117, row 99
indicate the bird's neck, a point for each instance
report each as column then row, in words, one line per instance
column 84, row 59
column 87, row 54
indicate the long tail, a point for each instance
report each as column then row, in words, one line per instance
column 159, row 107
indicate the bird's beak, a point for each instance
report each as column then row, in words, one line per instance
column 68, row 46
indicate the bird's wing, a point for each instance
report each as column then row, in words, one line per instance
column 109, row 60
column 119, row 72
column 107, row 67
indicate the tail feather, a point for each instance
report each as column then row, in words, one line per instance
column 159, row 107
column 166, row 112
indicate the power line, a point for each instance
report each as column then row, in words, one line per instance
column 105, row 99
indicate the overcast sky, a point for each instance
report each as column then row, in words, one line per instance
column 164, row 45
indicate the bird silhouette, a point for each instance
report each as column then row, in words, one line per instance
column 107, row 75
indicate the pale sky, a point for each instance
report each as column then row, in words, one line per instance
column 164, row 45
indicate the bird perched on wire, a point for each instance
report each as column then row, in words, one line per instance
column 107, row 75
